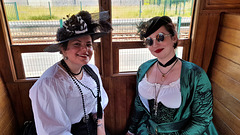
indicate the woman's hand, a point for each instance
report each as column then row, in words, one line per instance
column 101, row 126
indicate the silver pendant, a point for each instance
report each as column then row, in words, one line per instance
column 155, row 107
column 85, row 119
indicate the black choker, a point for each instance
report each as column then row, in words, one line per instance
column 64, row 64
column 169, row 62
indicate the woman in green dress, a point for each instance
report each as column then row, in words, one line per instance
column 173, row 96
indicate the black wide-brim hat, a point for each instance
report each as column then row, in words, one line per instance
column 79, row 25
column 56, row 47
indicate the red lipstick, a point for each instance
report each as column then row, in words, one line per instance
column 158, row 50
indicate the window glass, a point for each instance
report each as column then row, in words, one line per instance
column 36, row 63
column 36, row 21
column 126, row 14
column 131, row 59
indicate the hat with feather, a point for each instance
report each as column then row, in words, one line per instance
column 83, row 23
column 147, row 28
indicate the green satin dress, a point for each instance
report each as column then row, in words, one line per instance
column 193, row 117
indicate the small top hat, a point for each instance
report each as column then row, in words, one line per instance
column 147, row 28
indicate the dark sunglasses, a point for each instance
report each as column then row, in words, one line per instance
column 160, row 38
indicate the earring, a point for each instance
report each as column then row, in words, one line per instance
column 66, row 58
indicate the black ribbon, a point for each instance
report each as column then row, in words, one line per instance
column 169, row 62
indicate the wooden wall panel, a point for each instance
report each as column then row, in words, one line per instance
column 226, row 99
column 231, row 21
column 8, row 123
column 16, row 51
column 206, row 19
column 16, row 101
column 227, row 83
column 198, row 42
column 106, row 42
column 230, row 36
column 211, row 34
column 131, row 93
column 7, row 68
column 26, row 102
column 225, row 76
column 230, row 119
column 221, row 4
column 123, row 86
column 19, row 96
column 228, row 67
column 10, row 129
column 109, row 112
column 221, row 126
column 228, row 51
column 203, row 39
column 120, row 103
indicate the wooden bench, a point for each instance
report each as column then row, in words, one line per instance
column 225, row 76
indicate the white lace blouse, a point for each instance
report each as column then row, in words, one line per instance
column 57, row 101
column 169, row 95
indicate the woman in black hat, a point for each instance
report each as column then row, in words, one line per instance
column 173, row 96
column 69, row 97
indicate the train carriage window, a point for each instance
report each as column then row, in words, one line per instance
column 126, row 14
column 36, row 22
column 33, row 23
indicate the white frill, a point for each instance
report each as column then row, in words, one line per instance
column 169, row 95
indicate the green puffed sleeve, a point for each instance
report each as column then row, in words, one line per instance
column 201, row 112
column 139, row 116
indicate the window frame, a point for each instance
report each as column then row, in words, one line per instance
column 16, row 62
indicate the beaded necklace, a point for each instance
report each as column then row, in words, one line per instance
column 70, row 70
column 80, row 90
